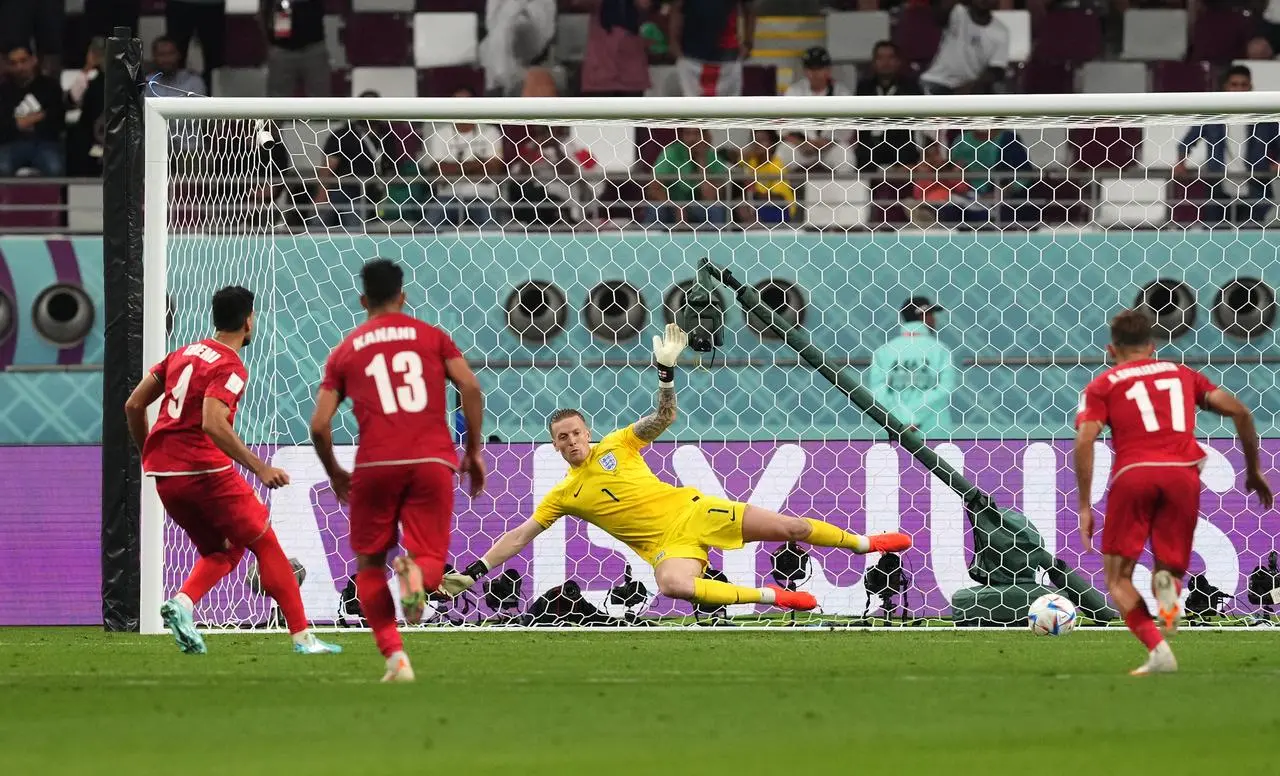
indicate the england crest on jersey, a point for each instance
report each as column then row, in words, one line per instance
column 609, row 462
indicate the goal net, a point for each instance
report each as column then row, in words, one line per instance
column 959, row 257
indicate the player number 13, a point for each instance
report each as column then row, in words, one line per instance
column 409, row 397
column 1177, row 409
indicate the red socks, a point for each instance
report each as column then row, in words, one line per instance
column 278, row 580
column 209, row 570
column 1140, row 623
column 379, row 608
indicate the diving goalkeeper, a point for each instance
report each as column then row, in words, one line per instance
column 610, row 486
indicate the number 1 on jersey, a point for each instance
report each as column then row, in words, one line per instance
column 1177, row 409
column 410, row 397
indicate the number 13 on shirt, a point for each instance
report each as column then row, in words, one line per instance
column 411, row 394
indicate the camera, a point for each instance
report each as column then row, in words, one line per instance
column 703, row 315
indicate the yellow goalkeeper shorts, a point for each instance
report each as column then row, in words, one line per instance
column 707, row 522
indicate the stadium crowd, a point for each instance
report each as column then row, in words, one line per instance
column 434, row 176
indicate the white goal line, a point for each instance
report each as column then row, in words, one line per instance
column 579, row 629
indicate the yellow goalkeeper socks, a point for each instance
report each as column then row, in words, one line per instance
column 710, row 591
column 827, row 535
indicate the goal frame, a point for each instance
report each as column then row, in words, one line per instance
column 1048, row 111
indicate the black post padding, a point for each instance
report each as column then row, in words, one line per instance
column 122, row 360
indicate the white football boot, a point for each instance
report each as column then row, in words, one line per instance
column 1159, row 661
column 398, row 668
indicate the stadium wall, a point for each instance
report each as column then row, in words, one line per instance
column 1022, row 308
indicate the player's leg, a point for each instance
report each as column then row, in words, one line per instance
column 1124, row 535
column 763, row 525
column 1172, row 531
column 682, row 578
column 373, row 534
column 279, row 582
column 181, row 497
column 426, row 514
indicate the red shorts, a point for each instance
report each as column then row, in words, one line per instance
column 1159, row 503
column 415, row 499
column 215, row 510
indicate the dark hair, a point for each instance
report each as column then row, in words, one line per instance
column 884, row 44
column 163, row 39
column 1236, row 70
column 562, row 414
column 383, row 281
column 232, row 307
column 1130, row 329
column 464, row 90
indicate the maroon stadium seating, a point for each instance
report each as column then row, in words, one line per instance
column 245, row 45
column 379, row 39
column 444, row 81
column 1181, row 77
column 917, row 34
column 1105, row 147
column 50, row 217
column 1041, row 77
column 1185, row 200
column 1219, row 35
column 1068, row 35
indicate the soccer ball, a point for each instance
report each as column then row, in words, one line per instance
column 254, row 581
column 1051, row 615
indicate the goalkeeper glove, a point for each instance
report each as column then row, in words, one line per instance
column 453, row 585
column 666, row 352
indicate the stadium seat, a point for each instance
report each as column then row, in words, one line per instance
column 1266, row 74
column 1220, row 34
column 444, row 39
column 1068, row 35
column 1131, row 202
column 917, row 34
column 240, row 81
column 150, row 28
column 759, row 80
column 663, row 81
column 649, row 143
column 851, row 35
column 1157, row 33
column 886, row 206
column 1046, row 147
column 305, row 142
column 1113, row 78
column 379, row 39
column 1019, row 26
column 84, row 208
column 1181, row 77
column 444, row 81
column 395, row 6
column 837, row 203
column 243, row 6
column 1185, row 200
column 1101, row 148
column 1057, row 199
column 613, row 146
column 49, row 214
column 152, row 6
column 1046, row 77
column 452, row 6
column 245, row 45
column 571, row 36
column 333, row 41
column 386, row 81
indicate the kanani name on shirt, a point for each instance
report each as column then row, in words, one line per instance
column 385, row 334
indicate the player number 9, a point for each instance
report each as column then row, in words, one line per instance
column 409, row 397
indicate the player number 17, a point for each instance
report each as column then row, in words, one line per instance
column 409, row 397
column 1177, row 409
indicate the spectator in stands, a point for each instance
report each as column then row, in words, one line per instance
column 1241, row 165
column 769, row 198
column 912, row 375
column 710, row 39
column 995, row 164
column 298, row 56
column 85, row 103
column 562, row 175
column 36, row 27
column 203, row 19
column 616, row 62
column 824, row 147
column 974, row 51
column 894, row 147
column 941, row 194
column 468, row 160
column 518, row 35
column 688, row 176
column 355, row 155
column 32, row 117
column 171, row 79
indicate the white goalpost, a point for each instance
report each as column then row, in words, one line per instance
column 551, row 236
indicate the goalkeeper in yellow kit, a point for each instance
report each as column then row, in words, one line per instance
column 610, row 486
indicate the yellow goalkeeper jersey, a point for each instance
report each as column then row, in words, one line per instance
column 615, row 490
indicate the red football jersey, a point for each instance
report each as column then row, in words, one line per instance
column 177, row 443
column 1150, row 406
column 392, row 369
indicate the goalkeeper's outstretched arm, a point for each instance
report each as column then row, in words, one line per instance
column 507, row 547
column 666, row 352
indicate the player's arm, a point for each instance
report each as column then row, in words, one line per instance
column 1086, row 434
column 460, row 374
column 507, row 547
column 216, row 422
column 327, row 401
column 666, row 352
column 1225, row 404
column 148, row 389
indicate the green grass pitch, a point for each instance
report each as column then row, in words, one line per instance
column 78, row 701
